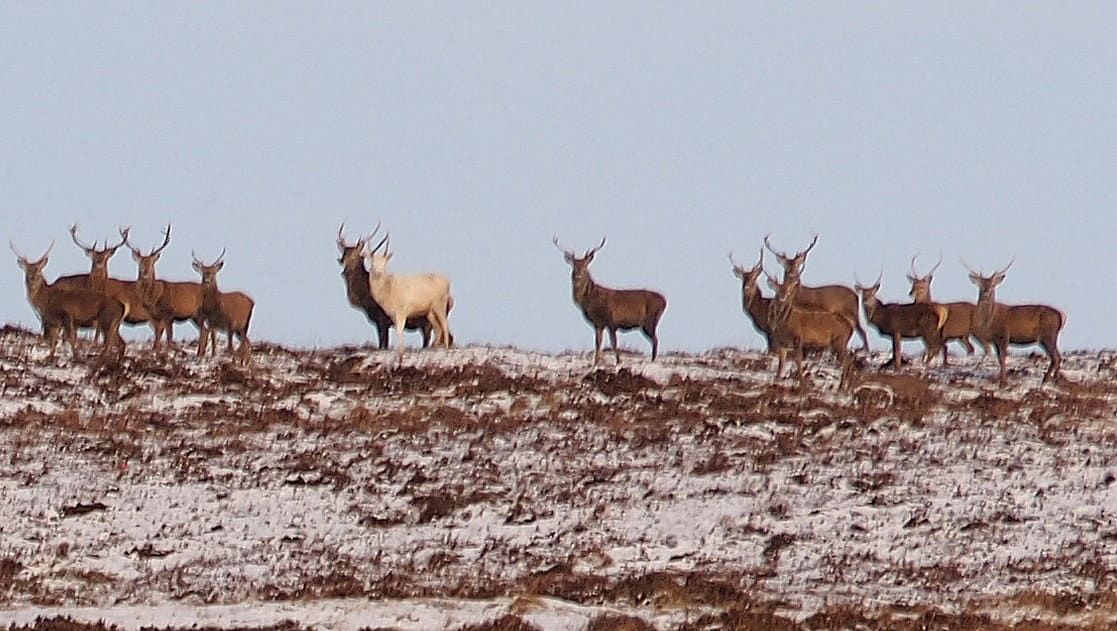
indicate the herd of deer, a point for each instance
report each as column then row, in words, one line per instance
column 96, row 301
column 798, row 319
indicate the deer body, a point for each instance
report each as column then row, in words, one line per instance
column 905, row 321
column 795, row 330
column 98, row 280
column 753, row 303
column 612, row 309
column 1003, row 325
column 65, row 310
column 959, row 324
column 837, row 299
column 360, row 296
column 166, row 302
column 408, row 296
column 226, row 311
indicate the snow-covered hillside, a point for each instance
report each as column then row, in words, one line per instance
column 330, row 488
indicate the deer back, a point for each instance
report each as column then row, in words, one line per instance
column 621, row 308
column 1025, row 324
column 811, row 328
column 834, row 298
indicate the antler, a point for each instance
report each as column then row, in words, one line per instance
column 123, row 237
column 554, row 239
column 779, row 255
column 74, row 236
column 594, row 250
column 154, row 251
column 809, row 247
column 1005, row 268
column 968, row 268
column 341, row 244
column 202, row 263
column 372, row 234
column 23, row 258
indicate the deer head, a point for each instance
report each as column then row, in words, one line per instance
column 352, row 254
column 98, row 257
column 32, row 270
column 987, row 285
column 208, row 272
column 146, row 262
column 378, row 261
column 792, row 265
column 868, row 293
column 749, row 276
column 921, row 285
column 579, row 265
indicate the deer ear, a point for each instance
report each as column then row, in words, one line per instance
column 136, row 256
column 197, row 268
column 912, row 279
column 220, row 266
column 975, row 279
column 568, row 257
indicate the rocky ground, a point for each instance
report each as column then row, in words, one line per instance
column 493, row 488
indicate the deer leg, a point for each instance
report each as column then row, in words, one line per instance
column 896, row 361
column 203, row 338
column 444, row 324
column 613, row 340
column 400, row 322
column 157, row 327
column 245, row 348
column 425, row 331
column 966, row 345
column 597, row 333
column 649, row 332
column 864, row 336
column 1052, row 350
column 1002, row 358
column 382, row 327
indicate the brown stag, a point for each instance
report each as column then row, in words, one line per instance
column 65, row 310
column 1003, row 325
column 166, row 302
column 834, row 298
column 355, row 273
column 904, row 321
column 226, row 311
column 960, row 315
column 797, row 330
column 612, row 309
column 755, row 305
column 98, row 279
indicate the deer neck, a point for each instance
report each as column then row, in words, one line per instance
column 98, row 276
column 356, row 278
column 754, row 303
column 922, row 297
column 872, row 307
column 36, row 291
column 210, row 294
column 379, row 284
column 986, row 309
column 584, row 288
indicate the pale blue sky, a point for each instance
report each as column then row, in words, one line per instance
column 477, row 130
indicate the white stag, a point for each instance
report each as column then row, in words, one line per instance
column 407, row 296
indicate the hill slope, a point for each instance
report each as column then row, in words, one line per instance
column 326, row 487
